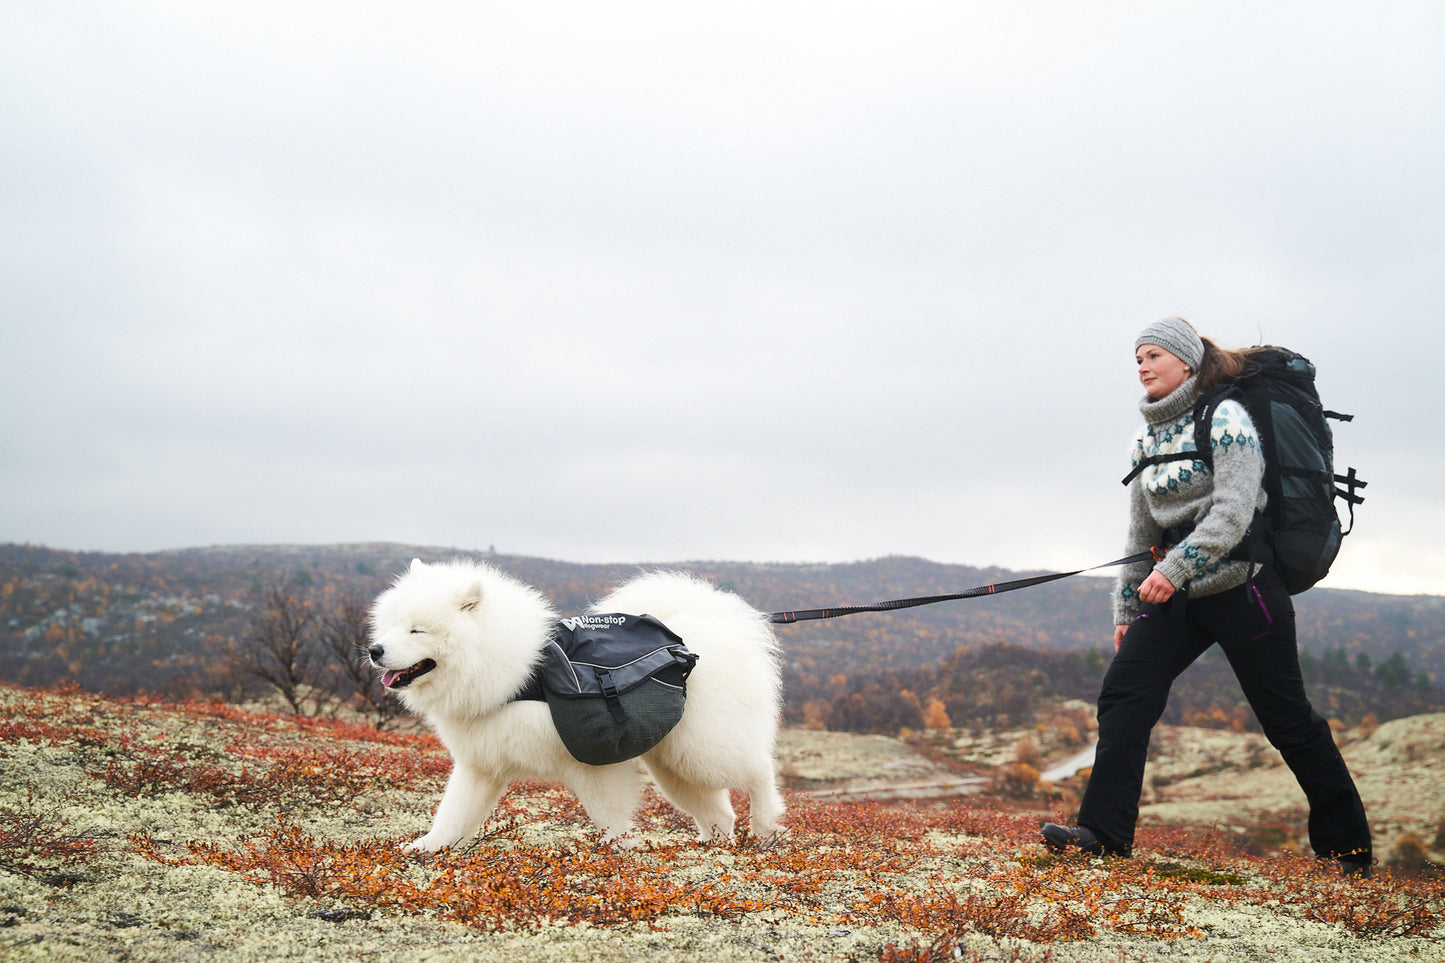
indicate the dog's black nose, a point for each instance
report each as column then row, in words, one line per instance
column 375, row 651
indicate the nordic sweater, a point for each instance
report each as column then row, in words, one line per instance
column 1219, row 505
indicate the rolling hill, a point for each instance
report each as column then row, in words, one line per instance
column 161, row 622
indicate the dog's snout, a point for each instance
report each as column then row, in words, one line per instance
column 376, row 651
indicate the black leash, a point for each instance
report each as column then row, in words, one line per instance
column 807, row 614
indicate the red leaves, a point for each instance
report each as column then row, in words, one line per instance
column 1410, row 915
column 939, row 871
column 1377, row 908
column 37, row 842
column 271, row 777
column 146, row 747
column 487, row 889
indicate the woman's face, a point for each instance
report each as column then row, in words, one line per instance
column 1159, row 371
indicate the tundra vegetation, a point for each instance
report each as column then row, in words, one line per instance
column 146, row 829
column 196, row 762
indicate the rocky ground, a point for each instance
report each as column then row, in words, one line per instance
column 217, row 867
column 1233, row 781
column 1238, row 782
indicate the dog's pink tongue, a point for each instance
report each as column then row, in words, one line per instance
column 390, row 676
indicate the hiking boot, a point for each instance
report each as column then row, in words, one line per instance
column 1359, row 867
column 1061, row 839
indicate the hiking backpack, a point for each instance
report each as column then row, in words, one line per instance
column 616, row 685
column 1299, row 531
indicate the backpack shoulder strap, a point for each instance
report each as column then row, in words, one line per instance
column 1149, row 460
column 1203, row 418
column 1204, row 410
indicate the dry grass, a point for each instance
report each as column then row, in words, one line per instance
column 141, row 830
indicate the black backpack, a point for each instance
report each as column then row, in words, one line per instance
column 1299, row 531
column 615, row 684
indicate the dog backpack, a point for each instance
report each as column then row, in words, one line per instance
column 1299, row 531
column 615, row 684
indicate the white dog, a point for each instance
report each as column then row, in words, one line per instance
column 457, row 641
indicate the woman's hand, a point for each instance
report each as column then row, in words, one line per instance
column 1119, row 631
column 1156, row 588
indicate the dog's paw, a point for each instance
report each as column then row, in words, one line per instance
column 715, row 834
column 426, row 844
column 765, row 841
column 627, row 839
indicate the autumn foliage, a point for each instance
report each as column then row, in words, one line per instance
column 209, row 623
column 932, row 875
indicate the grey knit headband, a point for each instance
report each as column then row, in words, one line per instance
column 1176, row 336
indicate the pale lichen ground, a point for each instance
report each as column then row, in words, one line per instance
column 126, row 907
column 1237, row 780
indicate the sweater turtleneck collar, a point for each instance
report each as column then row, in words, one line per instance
column 1172, row 405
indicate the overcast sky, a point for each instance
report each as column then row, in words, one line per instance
column 652, row 282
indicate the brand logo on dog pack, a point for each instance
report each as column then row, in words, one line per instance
column 588, row 621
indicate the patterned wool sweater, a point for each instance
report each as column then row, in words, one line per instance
column 1218, row 504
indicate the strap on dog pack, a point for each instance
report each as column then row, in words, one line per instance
column 610, row 695
column 615, row 684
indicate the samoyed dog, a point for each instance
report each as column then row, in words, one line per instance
column 457, row 641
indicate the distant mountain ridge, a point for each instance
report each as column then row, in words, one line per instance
column 107, row 618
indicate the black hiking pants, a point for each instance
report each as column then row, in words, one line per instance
column 1254, row 625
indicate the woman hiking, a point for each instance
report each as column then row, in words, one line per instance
column 1167, row 614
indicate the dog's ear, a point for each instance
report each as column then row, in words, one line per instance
column 417, row 563
column 471, row 599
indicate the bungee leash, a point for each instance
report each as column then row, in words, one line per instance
column 804, row 615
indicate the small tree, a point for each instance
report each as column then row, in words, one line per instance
column 1017, row 780
column 1026, row 752
column 344, row 637
column 278, row 647
column 1393, row 672
column 935, row 715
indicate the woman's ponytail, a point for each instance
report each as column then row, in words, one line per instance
column 1218, row 365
